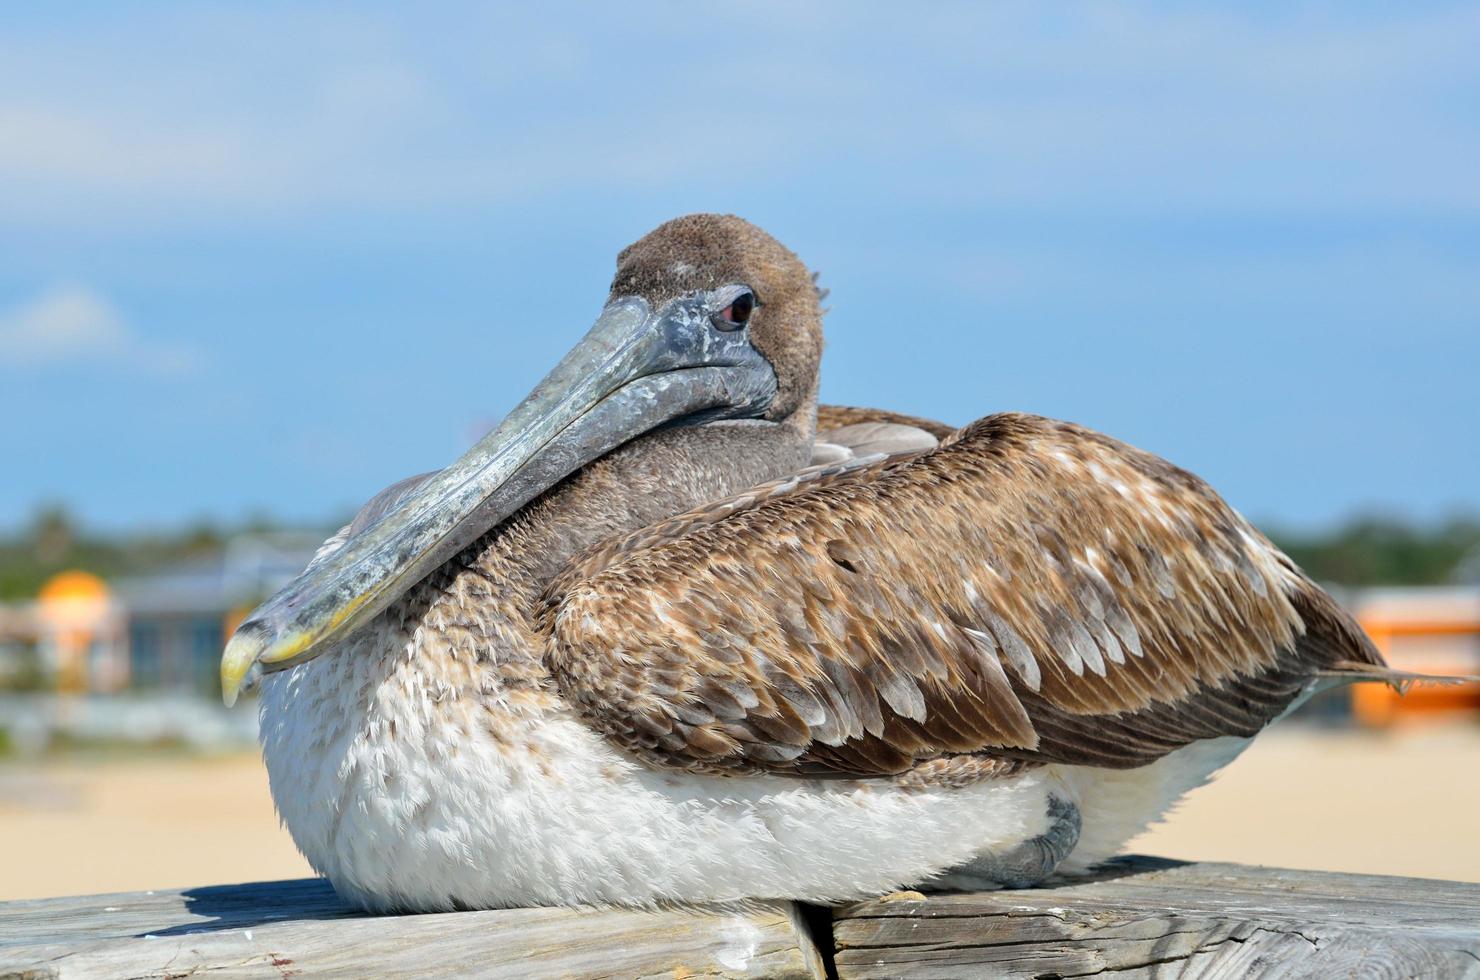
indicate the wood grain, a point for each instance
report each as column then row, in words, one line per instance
column 1146, row 917
column 289, row 929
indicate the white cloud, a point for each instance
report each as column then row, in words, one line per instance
column 71, row 324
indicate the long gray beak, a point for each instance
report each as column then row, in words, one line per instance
column 635, row 370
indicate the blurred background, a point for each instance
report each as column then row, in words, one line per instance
column 257, row 262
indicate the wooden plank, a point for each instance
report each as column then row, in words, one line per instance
column 300, row 929
column 1145, row 917
column 1141, row 917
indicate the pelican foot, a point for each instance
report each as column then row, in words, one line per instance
column 1022, row 865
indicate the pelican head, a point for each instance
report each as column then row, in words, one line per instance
column 708, row 319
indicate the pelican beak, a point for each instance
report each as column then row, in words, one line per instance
column 636, row 370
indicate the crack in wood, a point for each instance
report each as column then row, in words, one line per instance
column 1205, row 948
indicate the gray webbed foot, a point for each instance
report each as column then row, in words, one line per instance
column 1021, row 865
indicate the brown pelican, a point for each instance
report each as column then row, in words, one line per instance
column 672, row 632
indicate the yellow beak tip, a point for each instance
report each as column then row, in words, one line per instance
column 237, row 661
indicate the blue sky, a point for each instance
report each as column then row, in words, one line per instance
column 269, row 258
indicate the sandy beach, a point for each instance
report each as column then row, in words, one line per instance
column 1380, row 802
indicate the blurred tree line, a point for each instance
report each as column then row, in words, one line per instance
column 1387, row 551
column 54, row 541
column 1363, row 551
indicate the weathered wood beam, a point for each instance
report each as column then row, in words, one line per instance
column 1140, row 917
column 287, row 929
column 1145, row 917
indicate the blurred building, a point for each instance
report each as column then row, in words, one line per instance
column 162, row 632
column 1428, row 630
column 179, row 619
column 17, row 645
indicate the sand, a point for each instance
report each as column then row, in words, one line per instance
column 84, row 826
column 1386, row 803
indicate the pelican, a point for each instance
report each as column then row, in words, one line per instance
column 673, row 632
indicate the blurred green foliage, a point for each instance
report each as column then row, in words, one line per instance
column 1363, row 551
column 1386, row 551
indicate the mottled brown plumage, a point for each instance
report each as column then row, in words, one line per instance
column 1030, row 590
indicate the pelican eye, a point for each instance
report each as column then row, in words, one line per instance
column 737, row 314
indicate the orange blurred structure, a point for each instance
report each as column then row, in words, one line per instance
column 80, row 629
column 1428, row 630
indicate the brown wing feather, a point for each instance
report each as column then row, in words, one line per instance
column 840, row 416
column 1029, row 590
